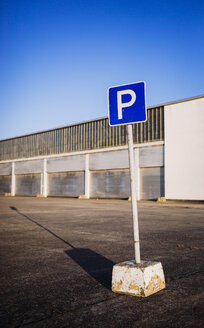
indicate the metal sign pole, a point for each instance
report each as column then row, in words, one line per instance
column 133, row 194
column 127, row 105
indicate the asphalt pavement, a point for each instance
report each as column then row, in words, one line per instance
column 57, row 254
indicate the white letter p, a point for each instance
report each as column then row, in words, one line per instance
column 127, row 104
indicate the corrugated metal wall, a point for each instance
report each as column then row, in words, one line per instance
column 85, row 136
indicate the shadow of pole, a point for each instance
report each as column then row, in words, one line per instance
column 96, row 265
column 41, row 226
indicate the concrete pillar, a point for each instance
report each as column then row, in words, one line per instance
column 13, row 180
column 41, row 183
column 87, row 177
column 44, row 179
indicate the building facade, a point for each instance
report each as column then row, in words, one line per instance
column 90, row 159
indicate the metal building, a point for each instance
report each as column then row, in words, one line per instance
column 90, row 159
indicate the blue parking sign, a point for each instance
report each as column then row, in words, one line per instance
column 127, row 104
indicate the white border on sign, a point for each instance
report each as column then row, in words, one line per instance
column 122, row 85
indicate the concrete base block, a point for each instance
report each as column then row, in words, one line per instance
column 143, row 279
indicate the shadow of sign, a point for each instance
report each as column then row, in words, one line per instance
column 96, row 265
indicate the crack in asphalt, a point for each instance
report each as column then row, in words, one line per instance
column 79, row 307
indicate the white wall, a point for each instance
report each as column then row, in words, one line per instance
column 184, row 150
column 109, row 160
column 5, row 169
column 27, row 167
column 152, row 156
column 65, row 164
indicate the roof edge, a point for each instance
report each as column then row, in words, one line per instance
column 103, row 117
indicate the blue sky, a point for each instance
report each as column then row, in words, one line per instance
column 59, row 57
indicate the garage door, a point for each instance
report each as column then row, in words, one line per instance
column 28, row 185
column 5, row 184
column 66, row 184
column 110, row 184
